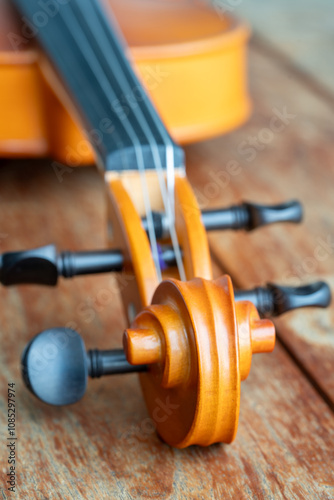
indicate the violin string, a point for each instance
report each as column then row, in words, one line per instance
column 90, row 56
column 168, row 194
column 78, row 77
column 170, row 210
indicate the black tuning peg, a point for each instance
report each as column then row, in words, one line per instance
column 43, row 266
column 274, row 300
column 56, row 366
column 247, row 216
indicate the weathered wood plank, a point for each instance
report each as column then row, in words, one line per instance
column 292, row 160
column 104, row 447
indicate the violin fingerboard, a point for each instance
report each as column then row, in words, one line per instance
column 88, row 53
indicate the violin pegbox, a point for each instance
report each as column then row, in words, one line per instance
column 139, row 278
column 177, row 220
column 126, row 212
column 198, row 345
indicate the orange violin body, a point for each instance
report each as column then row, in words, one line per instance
column 191, row 61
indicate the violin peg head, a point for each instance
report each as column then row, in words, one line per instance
column 54, row 366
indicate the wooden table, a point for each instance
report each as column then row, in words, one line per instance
column 104, row 447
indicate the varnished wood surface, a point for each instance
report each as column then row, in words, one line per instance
column 104, row 446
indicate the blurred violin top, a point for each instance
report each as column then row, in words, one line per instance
column 191, row 60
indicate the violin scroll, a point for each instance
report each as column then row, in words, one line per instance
column 192, row 347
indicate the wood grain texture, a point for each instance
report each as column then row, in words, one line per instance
column 105, row 447
column 296, row 163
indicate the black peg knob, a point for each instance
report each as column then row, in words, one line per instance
column 55, row 366
column 249, row 216
column 43, row 266
column 274, row 300
column 261, row 215
column 38, row 266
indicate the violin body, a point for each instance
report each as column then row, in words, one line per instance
column 191, row 61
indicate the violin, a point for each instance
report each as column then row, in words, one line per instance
column 190, row 338
column 178, row 50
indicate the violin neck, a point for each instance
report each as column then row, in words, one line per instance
column 84, row 46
